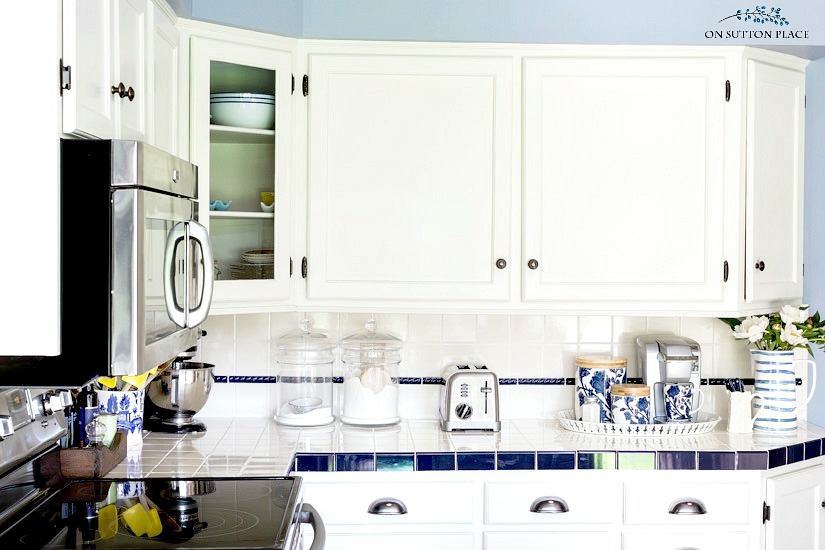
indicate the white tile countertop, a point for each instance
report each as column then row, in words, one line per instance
column 260, row 447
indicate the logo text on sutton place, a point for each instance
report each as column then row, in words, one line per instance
column 760, row 15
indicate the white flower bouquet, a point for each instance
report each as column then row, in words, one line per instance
column 791, row 327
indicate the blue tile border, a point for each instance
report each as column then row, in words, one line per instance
column 552, row 460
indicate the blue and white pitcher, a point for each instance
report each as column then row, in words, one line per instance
column 775, row 383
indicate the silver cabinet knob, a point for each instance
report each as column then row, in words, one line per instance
column 6, row 426
column 549, row 505
column 687, row 507
column 387, row 507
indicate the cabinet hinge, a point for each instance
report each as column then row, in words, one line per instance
column 65, row 77
column 304, row 267
column 766, row 512
column 290, row 267
column 293, row 84
column 725, row 272
column 305, row 85
column 727, row 90
column 803, row 269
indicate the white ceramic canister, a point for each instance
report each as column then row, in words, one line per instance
column 595, row 374
column 304, row 358
column 630, row 403
column 370, row 390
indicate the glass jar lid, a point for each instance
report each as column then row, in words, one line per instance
column 370, row 346
column 304, row 340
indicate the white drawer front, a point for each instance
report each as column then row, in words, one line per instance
column 724, row 502
column 565, row 540
column 399, row 541
column 681, row 540
column 590, row 503
column 433, row 503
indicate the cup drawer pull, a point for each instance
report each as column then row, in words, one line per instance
column 687, row 507
column 387, row 507
column 549, row 505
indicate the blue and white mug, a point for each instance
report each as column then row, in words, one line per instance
column 128, row 406
column 595, row 374
column 679, row 399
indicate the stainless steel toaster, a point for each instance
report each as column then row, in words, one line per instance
column 469, row 398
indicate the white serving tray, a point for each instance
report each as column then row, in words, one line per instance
column 705, row 422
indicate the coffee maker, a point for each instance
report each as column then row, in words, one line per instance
column 668, row 358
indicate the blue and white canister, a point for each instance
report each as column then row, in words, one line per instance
column 630, row 403
column 595, row 374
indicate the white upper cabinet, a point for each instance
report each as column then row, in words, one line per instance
column 165, row 114
column 623, row 179
column 239, row 158
column 409, row 175
column 123, row 59
column 774, row 172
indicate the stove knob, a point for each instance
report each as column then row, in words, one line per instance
column 6, row 426
column 65, row 398
column 51, row 403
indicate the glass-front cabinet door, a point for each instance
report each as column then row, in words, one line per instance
column 240, row 119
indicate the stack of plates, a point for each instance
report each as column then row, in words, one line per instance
column 251, row 271
column 257, row 263
column 246, row 110
column 259, row 256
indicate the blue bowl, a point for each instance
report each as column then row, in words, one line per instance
column 219, row 205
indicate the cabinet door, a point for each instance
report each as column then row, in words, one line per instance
column 796, row 502
column 165, row 112
column 129, row 53
column 775, row 152
column 88, row 106
column 409, row 177
column 105, row 44
column 624, row 173
column 236, row 163
column 537, row 540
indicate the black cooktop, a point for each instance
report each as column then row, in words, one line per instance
column 167, row 512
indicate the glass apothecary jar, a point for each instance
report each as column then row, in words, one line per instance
column 304, row 359
column 370, row 360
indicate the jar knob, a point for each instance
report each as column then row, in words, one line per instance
column 371, row 325
column 304, row 325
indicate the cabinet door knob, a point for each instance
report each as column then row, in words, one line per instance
column 823, row 504
column 532, row 264
column 760, row 265
column 130, row 93
column 120, row 90
column 549, row 505
column 501, row 263
column 387, row 507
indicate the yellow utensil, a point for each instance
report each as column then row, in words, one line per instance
column 108, row 381
column 155, row 526
column 137, row 382
column 107, row 521
column 136, row 519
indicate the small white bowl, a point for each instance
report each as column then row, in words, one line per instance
column 270, row 208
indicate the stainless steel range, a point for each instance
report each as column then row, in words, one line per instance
column 41, row 509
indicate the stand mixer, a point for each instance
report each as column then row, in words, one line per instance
column 176, row 395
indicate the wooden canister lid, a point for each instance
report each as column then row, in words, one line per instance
column 601, row 361
column 634, row 390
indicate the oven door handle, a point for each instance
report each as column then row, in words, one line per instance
column 177, row 313
column 200, row 235
column 310, row 515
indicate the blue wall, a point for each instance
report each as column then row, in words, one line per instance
column 580, row 22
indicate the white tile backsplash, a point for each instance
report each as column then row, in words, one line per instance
column 515, row 346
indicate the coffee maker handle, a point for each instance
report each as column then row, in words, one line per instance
column 813, row 381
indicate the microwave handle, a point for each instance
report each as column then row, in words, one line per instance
column 199, row 234
column 176, row 313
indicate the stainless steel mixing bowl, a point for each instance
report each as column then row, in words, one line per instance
column 181, row 390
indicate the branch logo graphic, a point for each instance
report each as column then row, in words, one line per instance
column 759, row 15
column 771, row 26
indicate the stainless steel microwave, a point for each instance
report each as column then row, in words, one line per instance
column 136, row 266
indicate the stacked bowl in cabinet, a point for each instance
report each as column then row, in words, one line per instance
column 255, row 264
column 242, row 109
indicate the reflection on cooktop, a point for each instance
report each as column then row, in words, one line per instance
column 159, row 513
